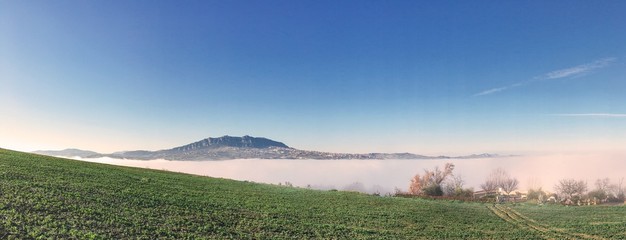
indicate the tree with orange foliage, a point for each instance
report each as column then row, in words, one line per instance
column 430, row 182
column 416, row 185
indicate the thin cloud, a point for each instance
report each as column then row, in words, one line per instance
column 493, row 90
column 499, row 89
column 596, row 115
column 579, row 70
column 557, row 74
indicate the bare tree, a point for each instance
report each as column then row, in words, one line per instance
column 605, row 190
column 602, row 190
column 494, row 180
column 509, row 185
column 440, row 176
column 568, row 188
column 489, row 185
column 603, row 184
column 499, row 178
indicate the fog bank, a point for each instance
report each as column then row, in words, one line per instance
column 385, row 175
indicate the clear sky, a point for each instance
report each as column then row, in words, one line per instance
column 430, row 77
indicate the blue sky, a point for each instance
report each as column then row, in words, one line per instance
column 347, row 76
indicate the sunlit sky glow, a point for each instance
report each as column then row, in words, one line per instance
column 345, row 76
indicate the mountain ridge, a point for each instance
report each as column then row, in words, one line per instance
column 246, row 147
column 68, row 152
column 245, row 141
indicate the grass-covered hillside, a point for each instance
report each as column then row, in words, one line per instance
column 59, row 198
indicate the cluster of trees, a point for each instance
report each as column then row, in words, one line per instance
column 499, row 179
column 438, row 182
column 570, row 188
column 612, row 192
column 577, row 190
column 567, row 190
column 572, row 191
column 442, row 182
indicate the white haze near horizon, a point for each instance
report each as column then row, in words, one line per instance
column 384, row 176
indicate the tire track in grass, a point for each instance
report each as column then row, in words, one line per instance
column 518, row 219
column 504, row 216
column 550, row 232
column 527, row 219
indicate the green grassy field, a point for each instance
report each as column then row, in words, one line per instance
column 59, row 198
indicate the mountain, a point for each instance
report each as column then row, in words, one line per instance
column 228, row 141
column 246, row 147
column 221, row 148
column 70, row 152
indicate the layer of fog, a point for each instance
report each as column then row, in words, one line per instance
column 384, row 176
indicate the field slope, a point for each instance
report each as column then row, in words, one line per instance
column 58, row 198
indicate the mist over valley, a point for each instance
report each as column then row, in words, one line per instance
column 383, row 176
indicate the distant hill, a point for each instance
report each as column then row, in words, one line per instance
column 70, row 152
column 246, row 147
